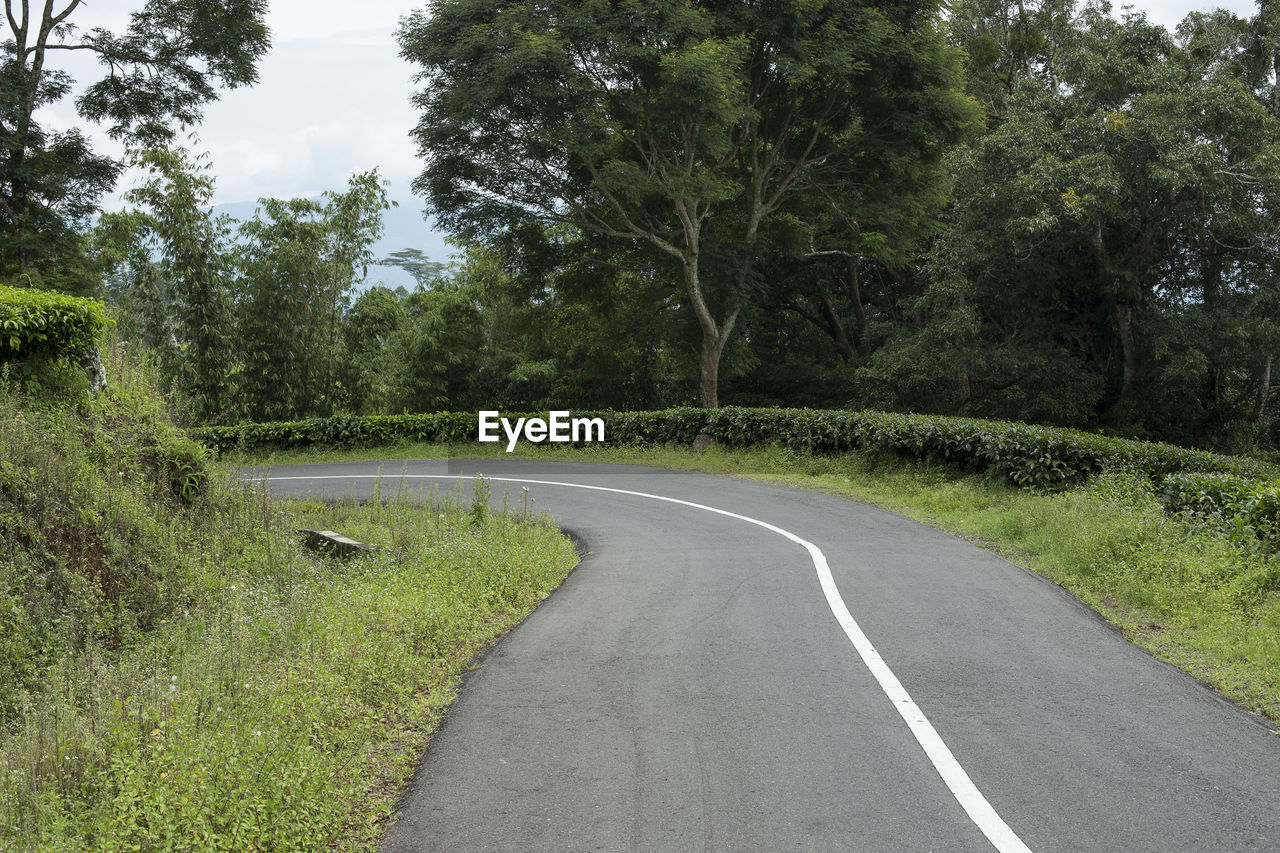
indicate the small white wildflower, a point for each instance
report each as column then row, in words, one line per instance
column 173, row 688
column 257, row 732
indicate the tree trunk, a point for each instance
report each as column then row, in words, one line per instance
column 964, row 391
column 91, row 360
column 1264, row 392
column 712, row 349
column 1124, row 330
column 714, row 335
column 838, row 335
column 854, row 292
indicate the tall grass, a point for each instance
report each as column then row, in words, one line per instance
column 203, row 683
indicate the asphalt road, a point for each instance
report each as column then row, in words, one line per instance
column 692, row 686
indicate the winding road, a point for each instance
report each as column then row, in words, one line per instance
column 736, row 666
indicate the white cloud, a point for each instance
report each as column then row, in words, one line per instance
column 1170, row 12
column 326, row 19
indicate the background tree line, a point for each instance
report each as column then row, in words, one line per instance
column 1022, row 210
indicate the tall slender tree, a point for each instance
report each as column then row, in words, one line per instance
column 299, row 260
column 194, row 247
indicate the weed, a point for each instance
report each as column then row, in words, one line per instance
column 177, row 673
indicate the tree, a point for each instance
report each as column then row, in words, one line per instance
column 417, row 264
column 299, row 261
column 161, row 70
column 686, row 127
column 1109, row 256
column 1008, row 42
column 367, row 331
column 196, row 273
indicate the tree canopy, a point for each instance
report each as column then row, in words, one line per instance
column 689, row 128
column 159, row 73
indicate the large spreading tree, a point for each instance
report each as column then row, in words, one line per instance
column 691, row 128
column 158, row 74
column 1110, row 253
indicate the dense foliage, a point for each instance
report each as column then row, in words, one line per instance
column 1023, row 454
column 41, row 321
column 1099, row 253
column 246, row 318
column 1248, row 505
column 158, row 73
column 698, row 133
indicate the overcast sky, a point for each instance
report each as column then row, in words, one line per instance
column 333, row 99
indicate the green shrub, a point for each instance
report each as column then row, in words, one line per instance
column 46, row 336
column 180, row 461
column 1025, row 455
column 1250, row 506
column 34, row 322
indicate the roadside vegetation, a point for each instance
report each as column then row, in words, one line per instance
column 1195, row 589
column 176, row 673
column 1015, row 259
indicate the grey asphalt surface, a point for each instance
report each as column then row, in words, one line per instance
column 688, row 688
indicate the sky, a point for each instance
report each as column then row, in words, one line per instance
column 332, row 100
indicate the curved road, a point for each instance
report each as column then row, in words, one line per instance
column 694, row 684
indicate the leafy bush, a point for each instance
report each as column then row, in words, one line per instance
column 180, row 461
column 49, row 337
column 34, row 322
column 1250, row 506
column 1025, row 455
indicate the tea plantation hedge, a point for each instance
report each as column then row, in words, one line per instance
column 1245, row 492
column 34, row 322
column 1024, row 455
column 1250, row 506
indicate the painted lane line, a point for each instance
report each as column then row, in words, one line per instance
column 981, row 812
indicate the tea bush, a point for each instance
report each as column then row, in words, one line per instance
column 1020, row 453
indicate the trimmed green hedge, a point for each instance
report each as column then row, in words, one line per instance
column 1025, row 455
column 1250, row 506
column 42, row 321
column 1245, row 492
column 343, row 431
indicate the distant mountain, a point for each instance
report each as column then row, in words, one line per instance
column 403, row 228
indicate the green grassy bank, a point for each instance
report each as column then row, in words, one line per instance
column 1194, row 591
column 177, row 673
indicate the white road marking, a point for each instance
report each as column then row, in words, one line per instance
column 966, row 793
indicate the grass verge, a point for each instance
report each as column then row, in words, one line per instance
column 1196, row 595
column 290, row 717
column 178, row 674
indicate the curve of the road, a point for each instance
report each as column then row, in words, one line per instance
column 700, row 682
